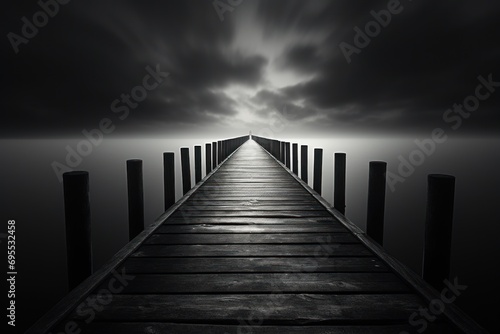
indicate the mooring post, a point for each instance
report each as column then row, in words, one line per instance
column 287, row 155
column 135, row 198
column 214, row 155
column 295, row 164
column 318, row 169
column 168, row 179
column 219, row 152
column 208, row 159
column 197, row 164
column 339, row 182
column 438, row 227
column 303, row 163
column 78, row 234
column 376, row 201
column 282, row 152
column 186, row 170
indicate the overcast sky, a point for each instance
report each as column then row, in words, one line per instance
column 267, row 63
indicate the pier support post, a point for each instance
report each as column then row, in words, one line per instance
column 438, row 227
column 339, row 182
column 186, row 170
column 303, row 163
column 135, row 198
column 318, row 169
column 214, row 155
column 376, row 201
column 282, row 152
column 208, row 159
column 295, row 163
column 287, row 155
column 197, row 164
column 219, row 152
column 168, row 179
column 78, row 234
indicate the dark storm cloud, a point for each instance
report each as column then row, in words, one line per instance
column 66, row 77
column 424, row 61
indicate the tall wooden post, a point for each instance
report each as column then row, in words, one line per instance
column 208, row 159
column 78, row 234
column 168, row 179
column 376, row 201
column 219, row 152
column 295, row 164
column 303, row 163
column 282, row 152
column 197, row 164
column 186, row 170
column 214, row 155
column 318, row 169
column 135, row 198
column 438, row 227
column 287, row 155
column 339, row 183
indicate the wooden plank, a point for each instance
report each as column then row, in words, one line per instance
column 253, row 265
column 250, row 326
column 265, row 282
column 239, row 238
column 250, row 250
column 249, row 213
column 247, row 197
column 310, row 221
column 249, row 202
column 285, row 309
column 243, row 208
column 209, row 228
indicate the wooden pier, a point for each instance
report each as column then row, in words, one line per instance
column 252, row 249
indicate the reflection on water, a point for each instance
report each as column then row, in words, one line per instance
column 32, row 195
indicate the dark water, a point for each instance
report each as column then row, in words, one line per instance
column 32, row 195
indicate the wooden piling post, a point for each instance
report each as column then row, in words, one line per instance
column 135, row 198
column 78, row 233
column 295, row 164
column 197, row 164
column 318, row 169
column 186, row 170
column 168, row 179
column 219, row 152
column 303, row 163
column 214, row 155
column 438, row 228
column 282, row 152
column 208, row 159
column 339, row 182
column 376, row 201
column 287, row 155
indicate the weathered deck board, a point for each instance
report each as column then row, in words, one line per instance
column 253, row 265
column 248, row 238
column 252, row 251
column 266, row 283
column 246, row 327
